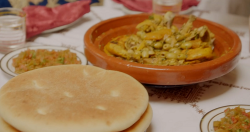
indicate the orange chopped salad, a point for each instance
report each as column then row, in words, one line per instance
column 33, row 59
column 235, row 120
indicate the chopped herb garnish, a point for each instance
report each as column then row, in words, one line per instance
column 61, row 60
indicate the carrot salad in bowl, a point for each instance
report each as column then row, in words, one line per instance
column 33, row 59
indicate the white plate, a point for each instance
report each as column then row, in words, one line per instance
column 206, row 124
column 6, row 61
column 61, row 27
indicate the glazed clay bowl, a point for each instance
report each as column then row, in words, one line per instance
column 227, row 45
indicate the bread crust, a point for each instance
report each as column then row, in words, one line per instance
column 5, row 127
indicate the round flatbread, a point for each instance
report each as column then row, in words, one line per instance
column 72, row 98
column 140, row 126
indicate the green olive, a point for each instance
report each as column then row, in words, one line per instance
column 166, row 47
column 141, row 34
column 175, row 50
column 158, row 45
column 168, row 40
column 163, row 53
column 165, row 62
column 130, row 53
column 181, row 56
column 180, row 62
column 150, row 48
column 149, row 42
column 144, row 54
column 186, row 45
column 179, row 37
column 171, row 56
column 137, row 55
column 173, row 62
column 177, row 45
column 145, row 49
column 151, row 52
column 174, row 29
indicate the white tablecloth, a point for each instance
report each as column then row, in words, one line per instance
column 177, row 109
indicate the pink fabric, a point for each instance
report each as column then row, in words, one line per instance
column 137, row 5
column 146, row 5
column 41, row 18
column 189, row 3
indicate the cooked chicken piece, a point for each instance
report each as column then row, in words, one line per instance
column 132, row 42
column 196, row 43
column 191, row 35
column 156, row 18
column 168, row 19
column 146, row 26
column 158, row 35
column 206, row 35
column 199, row 54
column 120, row 40
column 188, row 25
column 106, row 51
column 116, row 50
column 192, row 44
column 202, row 30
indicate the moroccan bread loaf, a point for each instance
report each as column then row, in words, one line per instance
column 72, row 98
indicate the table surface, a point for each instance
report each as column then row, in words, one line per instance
column 175, row 109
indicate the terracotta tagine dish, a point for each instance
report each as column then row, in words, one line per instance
column 227, row 48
